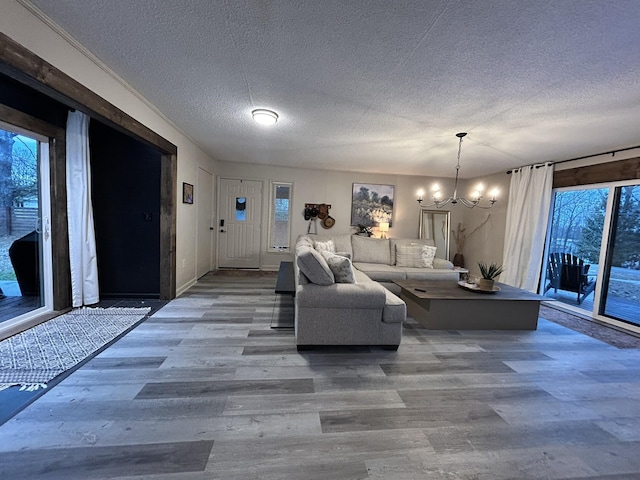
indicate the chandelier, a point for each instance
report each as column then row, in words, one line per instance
column 440, row 202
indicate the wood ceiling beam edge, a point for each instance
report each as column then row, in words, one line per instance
column 617, row 171
column 26, row 67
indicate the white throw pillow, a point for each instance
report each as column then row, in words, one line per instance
column 325, row 246
column 415, row 256
column 340, row 267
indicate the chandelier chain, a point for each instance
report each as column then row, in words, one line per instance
column 454, row 200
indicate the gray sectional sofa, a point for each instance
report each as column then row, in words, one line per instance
column 356, row 309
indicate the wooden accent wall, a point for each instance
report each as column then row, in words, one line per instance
column 601, row 173
column 21, row 64
column 26, row 67
column 168, row 212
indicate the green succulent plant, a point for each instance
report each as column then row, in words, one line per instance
column 490, row 272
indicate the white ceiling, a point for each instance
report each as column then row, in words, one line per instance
column 378, row 86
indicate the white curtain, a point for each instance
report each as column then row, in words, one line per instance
column 82, row 242
column 527, row 218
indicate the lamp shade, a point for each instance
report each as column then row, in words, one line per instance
column 383, row 226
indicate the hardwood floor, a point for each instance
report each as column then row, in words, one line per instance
column 205, row 389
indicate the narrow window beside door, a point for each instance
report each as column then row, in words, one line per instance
column 280, row 214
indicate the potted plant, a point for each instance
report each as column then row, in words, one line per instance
column 364, row 230
column 489, row 274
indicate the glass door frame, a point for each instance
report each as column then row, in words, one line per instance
column 29, row 319
column 602, row 258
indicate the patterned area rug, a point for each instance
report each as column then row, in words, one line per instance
column 34, row 357
column 594, row 329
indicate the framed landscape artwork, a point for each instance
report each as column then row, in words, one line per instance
column 371, row 204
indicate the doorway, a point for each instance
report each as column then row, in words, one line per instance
column 240, row 211
column 204, row 223
column 592, row 261
column 25, row 226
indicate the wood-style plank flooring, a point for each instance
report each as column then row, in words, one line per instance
column 205, row 389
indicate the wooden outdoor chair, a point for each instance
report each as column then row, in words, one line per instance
column 568, row 272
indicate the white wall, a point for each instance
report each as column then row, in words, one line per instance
column 49, row 43
column 334, row 188
column 487, row 243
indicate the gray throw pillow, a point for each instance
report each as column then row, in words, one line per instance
column 314, row 267
column 340, row 267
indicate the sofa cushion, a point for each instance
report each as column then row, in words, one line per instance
column 340, row 267
column 395, row 310
column 394, row 242
column 324, row 246
column 381, row 273
column 361, row 277
column 347, row 254
column 371, row 250
column 303, row 241
column 366, row 295
column 418, row 256
column 314, row 267
column 442, row 263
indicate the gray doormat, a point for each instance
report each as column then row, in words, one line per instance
column 34, row 357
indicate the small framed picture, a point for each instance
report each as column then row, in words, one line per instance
column 187, row 193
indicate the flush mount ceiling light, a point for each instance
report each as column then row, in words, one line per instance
column 264, row 116
column 440, row 202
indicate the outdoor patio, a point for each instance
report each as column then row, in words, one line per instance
column 623, row 301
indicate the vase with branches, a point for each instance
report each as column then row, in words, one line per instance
column 460, row 237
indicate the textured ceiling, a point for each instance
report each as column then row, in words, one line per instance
column 378, row 86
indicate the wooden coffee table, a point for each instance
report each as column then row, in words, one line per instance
column 444, row 305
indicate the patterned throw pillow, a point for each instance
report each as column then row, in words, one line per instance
column 415, row 256
column 327, row 246
column 340, row 267
column 428, row 254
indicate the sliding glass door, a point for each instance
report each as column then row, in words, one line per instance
column 592, row 259
column 25, row 243
column 620, row 297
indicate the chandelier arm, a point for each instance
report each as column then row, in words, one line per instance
column 475, row 204
column 455, row 199
column 468, row 203
column 439, row 204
